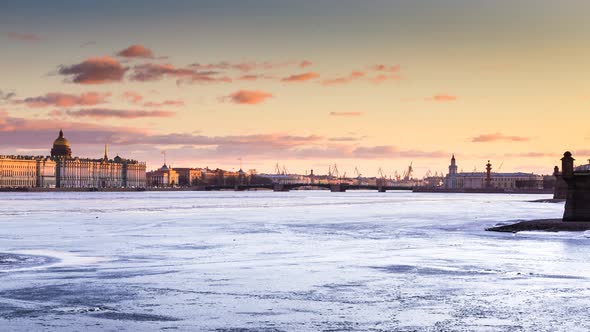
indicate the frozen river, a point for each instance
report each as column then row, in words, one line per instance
column 298, row 261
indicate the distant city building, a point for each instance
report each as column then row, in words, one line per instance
column 490, row 180
column 188, row 176
column 163, row 177
column 27, row 171
column 61, row 170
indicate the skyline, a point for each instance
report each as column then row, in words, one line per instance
column 377, row 84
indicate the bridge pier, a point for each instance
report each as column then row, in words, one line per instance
column 279, row 187
column 338, row 188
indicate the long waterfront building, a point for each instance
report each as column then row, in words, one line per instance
column 490, row 180
column 61, row 170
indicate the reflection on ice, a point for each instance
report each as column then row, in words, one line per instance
column 298, row 261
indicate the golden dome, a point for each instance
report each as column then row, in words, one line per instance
column 61, row 141
column 61, row 147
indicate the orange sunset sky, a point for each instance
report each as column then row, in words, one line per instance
column 303, row 83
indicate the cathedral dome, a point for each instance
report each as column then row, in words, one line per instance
column 61, row 147
column 61, row 141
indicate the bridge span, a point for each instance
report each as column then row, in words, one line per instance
column 283, row 187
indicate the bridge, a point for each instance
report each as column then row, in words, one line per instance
column 283, row 187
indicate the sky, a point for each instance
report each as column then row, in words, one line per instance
column 306, row 84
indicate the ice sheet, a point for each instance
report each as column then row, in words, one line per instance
column 297, row 261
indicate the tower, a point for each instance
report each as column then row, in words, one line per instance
column 453, row 166
column 567, row 165
column 488, row 175
column 106, row 150
column 452, row 176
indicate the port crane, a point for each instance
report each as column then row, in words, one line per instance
column 358, row 175
column 408, row 172
column 281, row 170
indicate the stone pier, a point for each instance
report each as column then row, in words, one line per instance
column 338, row 188
column 577, row 205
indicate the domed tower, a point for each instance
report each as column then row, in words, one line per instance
column 61, row 147
column 451, row 180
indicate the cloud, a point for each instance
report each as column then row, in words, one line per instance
column 249, row 97
column 387, row 68
column 4, row 96
column 118, row 113
column 443, row 98
column 301, row 77
column 164, row 103
column 136, row 98
column 355, row 75
column 87, row 139
column 247, row 66
column 305, row 63
column 25, row 132
column 58, row 99
column 23, row 36
column 484, row 138
column 132, row 97
column 136, row 51
column 346, row 113
column 385, row 73
column 153, row 72
column 95, row 71
column 384, row 77
column 254, row 77
column 388, row 151
column 88, row 43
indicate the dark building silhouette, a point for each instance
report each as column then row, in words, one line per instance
column 577, row 205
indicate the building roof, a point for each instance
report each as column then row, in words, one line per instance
column 60, row 140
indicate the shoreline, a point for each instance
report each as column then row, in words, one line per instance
column 202, row 188
column 543, row 225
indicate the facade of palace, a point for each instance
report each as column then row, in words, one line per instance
column 491, row 180
column 61, row 170
column 27, row 171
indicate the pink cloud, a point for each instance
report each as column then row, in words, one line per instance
column 132, row 97
column 136, row 51
column 95, row 71
column 245, row 66
column 249, row 97
column 136, row 98
column 355, row 75
column 384, row 77
column 117, row 113
column 254, row 77
column 23, row 36
column 58, row 99
column 388, row 151
column 484, row 138
column 346, row 113
column 164, row 103
column 443, row 98
column 305, row 63
column 301, row 77
column 387, row 68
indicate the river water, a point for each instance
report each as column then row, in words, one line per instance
column 297, row 261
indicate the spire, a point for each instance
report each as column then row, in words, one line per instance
column 106, row 150
column 61, row 133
